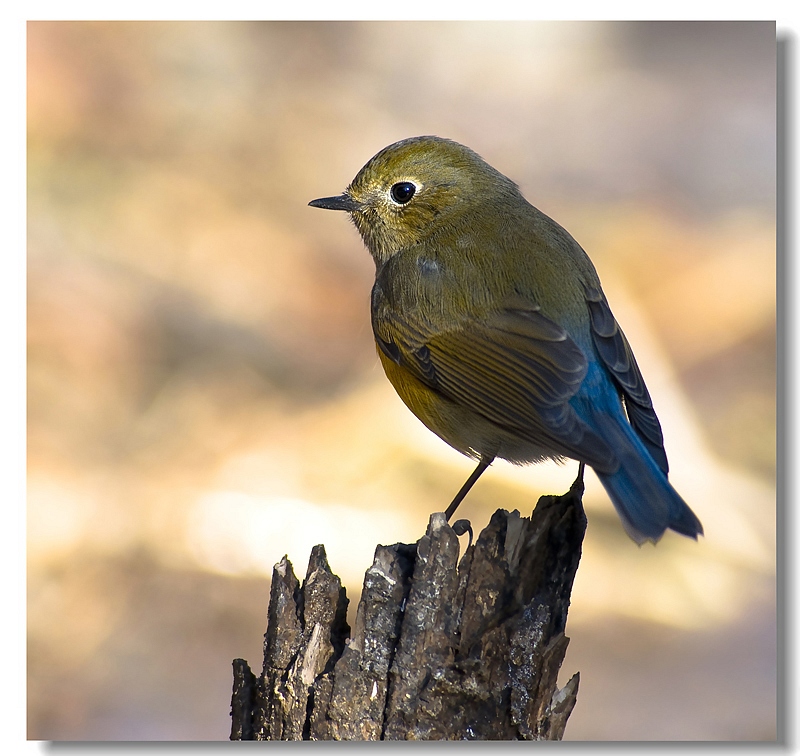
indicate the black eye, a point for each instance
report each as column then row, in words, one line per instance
column 402, row 192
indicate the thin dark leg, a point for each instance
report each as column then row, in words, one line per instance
column 476, row 473
column 578, row 482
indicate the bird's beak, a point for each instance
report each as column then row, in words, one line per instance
column 342, row 202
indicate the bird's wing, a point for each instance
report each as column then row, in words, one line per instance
column 616, row 353
column 515, row 367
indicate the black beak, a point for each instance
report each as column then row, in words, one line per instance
column 342, row 202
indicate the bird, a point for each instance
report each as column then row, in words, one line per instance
column 491, row 324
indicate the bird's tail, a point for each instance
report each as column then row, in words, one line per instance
column 643, row 497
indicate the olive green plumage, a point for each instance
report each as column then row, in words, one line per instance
column 491, row 325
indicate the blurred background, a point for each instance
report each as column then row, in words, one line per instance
column 203, row 390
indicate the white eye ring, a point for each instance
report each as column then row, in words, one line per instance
column 402, row 192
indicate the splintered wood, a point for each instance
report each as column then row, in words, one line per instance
column 441, row 649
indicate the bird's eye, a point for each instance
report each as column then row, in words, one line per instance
column 402, row 192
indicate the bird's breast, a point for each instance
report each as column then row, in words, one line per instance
column 414, row 286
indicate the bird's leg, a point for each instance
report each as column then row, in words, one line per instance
column 577, row 484
column 476, row 473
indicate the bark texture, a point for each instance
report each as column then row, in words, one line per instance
column 441, row 648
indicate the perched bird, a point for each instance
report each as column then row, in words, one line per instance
column 491, row 325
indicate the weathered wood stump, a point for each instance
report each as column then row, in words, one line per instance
column 441, row 649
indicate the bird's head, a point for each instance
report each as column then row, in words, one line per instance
column 417, row 189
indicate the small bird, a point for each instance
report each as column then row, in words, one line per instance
column 491, row 324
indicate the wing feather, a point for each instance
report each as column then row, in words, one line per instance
column 617, row 355
column 516, row 368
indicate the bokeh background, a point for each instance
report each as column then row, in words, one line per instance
column 203, row 391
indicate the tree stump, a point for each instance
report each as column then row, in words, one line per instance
column 441, row 649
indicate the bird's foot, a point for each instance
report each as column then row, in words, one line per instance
column 463, row 526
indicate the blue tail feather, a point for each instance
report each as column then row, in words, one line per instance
column 640, row 491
